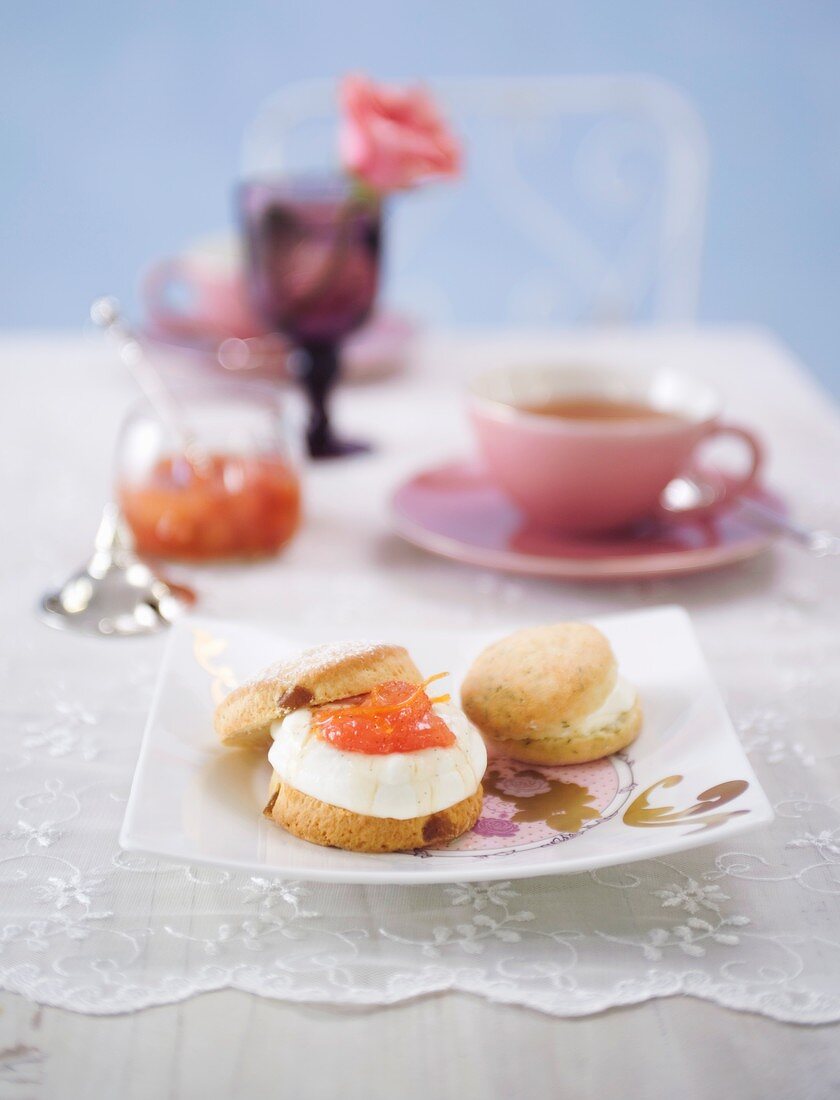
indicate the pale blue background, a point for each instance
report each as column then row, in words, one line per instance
column 121, row 126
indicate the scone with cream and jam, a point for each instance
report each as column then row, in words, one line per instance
column 552, row 695
column 363, row 757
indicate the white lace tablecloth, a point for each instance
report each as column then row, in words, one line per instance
column 753, row 926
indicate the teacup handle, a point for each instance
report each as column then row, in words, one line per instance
column 156, row 283
column 728, row 487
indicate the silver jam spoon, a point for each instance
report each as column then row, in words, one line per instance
column 687, row 492
column 116, row 594
column 105, row 313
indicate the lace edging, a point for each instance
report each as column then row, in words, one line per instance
column 787, row 1006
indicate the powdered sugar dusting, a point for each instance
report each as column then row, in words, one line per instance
column 314, row 660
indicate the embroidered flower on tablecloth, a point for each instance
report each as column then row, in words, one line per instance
column 67, row 734
column 826, row 842
column 692, row 897
column 763, row 733
column 481, row 894
column 64, row 742
column 269, row 891
column 681, row 936
column 38, row 934
column 691, row 938
column 43, row 835
column 495, row 826
column 62, row 892
column 776, row 750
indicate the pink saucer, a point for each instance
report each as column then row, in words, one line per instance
column 379, row 349
column 456, row 511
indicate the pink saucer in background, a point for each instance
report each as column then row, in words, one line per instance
column 381, row 348
column 456, row 511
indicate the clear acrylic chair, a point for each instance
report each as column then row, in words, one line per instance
column 582, row 199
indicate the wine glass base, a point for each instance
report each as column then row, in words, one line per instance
column 329, row 446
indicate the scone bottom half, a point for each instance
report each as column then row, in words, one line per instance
column 334, row 827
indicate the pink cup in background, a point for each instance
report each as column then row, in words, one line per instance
column 200, row 293
column 590, row 476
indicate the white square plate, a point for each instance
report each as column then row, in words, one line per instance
column 684, row 782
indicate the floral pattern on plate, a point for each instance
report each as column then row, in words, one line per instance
column 530, row 806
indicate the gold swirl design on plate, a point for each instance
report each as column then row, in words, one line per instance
column 206, row 649
column 564, row 806
column 641, row 815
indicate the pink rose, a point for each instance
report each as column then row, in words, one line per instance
column 391, row 139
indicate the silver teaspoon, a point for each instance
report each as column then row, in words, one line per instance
column 688, row 492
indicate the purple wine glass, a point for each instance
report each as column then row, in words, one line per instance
column 312, row 268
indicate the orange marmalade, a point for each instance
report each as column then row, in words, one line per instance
column 394, row 717
column 225, row 506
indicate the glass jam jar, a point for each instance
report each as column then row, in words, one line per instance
column 229, row 488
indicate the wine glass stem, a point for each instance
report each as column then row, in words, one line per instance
column 319, row 371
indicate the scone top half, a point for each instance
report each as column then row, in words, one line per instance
column 323, row 674
column 552, row 695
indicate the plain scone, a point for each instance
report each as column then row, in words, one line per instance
column 531, row 693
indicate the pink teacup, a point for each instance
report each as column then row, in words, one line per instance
column 584, row 476
column 201, row 293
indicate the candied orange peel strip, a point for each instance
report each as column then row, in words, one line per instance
column 366, row 710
